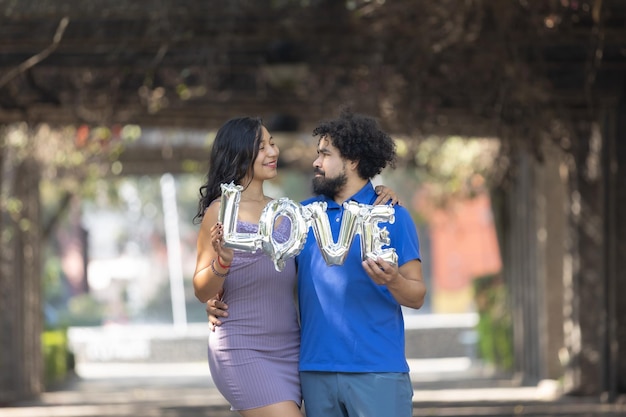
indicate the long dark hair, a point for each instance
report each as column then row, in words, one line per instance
column 235, row 148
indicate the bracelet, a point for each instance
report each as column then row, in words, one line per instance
column 220, row 263
column 219, row 274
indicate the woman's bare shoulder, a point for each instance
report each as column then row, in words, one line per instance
column 211, row 212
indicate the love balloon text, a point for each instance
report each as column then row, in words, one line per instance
column 357, row 218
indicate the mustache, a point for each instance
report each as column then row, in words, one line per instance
column 318, row 171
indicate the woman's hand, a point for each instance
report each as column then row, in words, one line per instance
column 386, row 195
column 217, row 241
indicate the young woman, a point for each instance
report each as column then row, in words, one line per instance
column 253, row 355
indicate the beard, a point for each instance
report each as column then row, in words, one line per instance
column 329, row 187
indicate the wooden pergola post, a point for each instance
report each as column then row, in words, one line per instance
column 21, row 320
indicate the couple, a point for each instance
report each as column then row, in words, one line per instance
column 341, row 347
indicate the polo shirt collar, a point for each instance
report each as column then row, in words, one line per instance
column 366, row 195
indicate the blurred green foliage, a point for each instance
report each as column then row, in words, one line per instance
column 58, row 360
column 456, row 166
column 495, row 343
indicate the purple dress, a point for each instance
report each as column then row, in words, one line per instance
column 253, row 355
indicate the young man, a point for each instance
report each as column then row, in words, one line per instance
column 352, row 360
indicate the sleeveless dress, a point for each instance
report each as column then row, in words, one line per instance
column 253, row 355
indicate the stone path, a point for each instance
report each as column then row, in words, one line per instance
column 442, row 388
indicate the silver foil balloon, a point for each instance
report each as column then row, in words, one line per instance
column 357, row 219
column 229, row 207
column 373, row 238
column 278, row 251
column 334, row 253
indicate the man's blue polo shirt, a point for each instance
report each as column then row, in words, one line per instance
column 349, row 323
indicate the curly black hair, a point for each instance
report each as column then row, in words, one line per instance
column 235, row 148
column 359, row 138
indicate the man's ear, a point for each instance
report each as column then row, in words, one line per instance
column 353, row 165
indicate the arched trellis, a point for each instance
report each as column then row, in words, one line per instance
column 513, row 69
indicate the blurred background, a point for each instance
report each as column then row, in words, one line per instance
column 507, row 116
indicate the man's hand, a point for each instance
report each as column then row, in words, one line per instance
column 215, row 308
column 405, row 282
column 380, row 271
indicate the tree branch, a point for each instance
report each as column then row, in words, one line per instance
column 34, row 60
